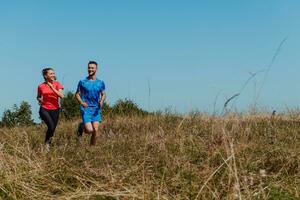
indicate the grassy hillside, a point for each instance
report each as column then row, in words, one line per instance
column 156, row 157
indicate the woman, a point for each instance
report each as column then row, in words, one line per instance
column 48, row 96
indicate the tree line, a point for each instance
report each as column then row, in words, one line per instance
column 21, row 115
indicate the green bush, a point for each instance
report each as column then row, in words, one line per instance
column 70, row 106
column 127, row 107
column 18, row 115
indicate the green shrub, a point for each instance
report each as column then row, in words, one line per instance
column 127, row 107
column 18, row 115
column 70, row 106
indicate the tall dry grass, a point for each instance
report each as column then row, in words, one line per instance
column 157, row 157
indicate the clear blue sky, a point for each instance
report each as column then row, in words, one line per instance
column 188, row 51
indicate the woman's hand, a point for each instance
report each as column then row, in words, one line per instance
column 40, row 100
column 59, row 93
column 50, row 85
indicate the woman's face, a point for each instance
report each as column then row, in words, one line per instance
column 50, row 75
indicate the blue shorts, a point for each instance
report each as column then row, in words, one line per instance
column 91, row 114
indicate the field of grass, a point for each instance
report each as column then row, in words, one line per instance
column 157, row 157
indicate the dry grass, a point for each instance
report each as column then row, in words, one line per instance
column 157, row 157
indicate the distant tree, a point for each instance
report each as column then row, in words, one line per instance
column 24, row 114
column 18, row 115
column 70, row 106
column 9, row 117
column 127, row 107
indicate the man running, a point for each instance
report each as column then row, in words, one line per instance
column 91, row 96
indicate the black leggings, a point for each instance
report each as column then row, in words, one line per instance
column 50, row 117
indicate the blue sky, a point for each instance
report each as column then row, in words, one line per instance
column 188, row 52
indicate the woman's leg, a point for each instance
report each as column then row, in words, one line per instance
column 55, row 116
column 47, row 118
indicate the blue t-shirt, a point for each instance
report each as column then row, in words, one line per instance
column 90, row 91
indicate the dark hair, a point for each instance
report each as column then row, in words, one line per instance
column 93, row 62
column 45, row 71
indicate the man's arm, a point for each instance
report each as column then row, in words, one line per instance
column 77, row 95
column 103, row 98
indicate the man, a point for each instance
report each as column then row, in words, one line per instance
column 91, row 96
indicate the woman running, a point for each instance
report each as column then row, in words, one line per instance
column 48, row 96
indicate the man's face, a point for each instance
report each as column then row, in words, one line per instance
column 92, row 68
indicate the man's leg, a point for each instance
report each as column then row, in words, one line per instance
column 88, row 127
column 80, row 129
column 86, row 124
column 95, row 126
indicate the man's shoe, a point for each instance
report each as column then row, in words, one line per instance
column 79, row 130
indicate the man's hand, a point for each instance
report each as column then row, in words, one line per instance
column 101, row 104
column 85, row 105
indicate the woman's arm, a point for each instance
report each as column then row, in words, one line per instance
column 39, row 96
column 59, row 93
column 39, row 99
